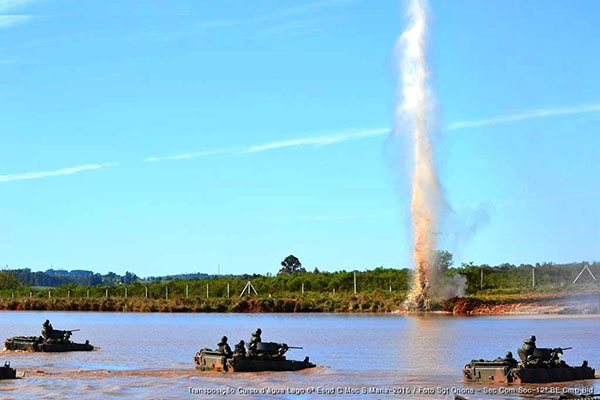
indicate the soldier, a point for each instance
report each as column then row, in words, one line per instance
column 240, row 349
column 527, row 348
column 52, row 335
column 530, row 342
column 254, row 340
column 47, row 330
column 224, row 347
column 510, row 359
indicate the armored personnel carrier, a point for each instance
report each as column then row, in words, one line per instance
column 261, row 356
column 6, row 372
column 37, row 343
column 537, row 365
column 52, row 340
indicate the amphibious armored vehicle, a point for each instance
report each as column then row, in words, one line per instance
column 268, row 356
column 6, row 372
column 52, row 340
column 37, row 343
column 537, row 365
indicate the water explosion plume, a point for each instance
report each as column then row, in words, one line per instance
column 414, row 117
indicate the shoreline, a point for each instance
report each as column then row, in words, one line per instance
column 550, row 303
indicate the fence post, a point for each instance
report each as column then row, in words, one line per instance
column 68, row 293
column 227, row 289
column 125, row 291
column 481, row 281
column 207, row 290
column 390, row 285
column 12, row 294
column 49, row 294
column 166, row 292
column 107, row 293
column 187, row 290
column 354, row 282
column 87, row 293
column 30, row 294
column 302, row 288
column 146, row 291
column 533, row 277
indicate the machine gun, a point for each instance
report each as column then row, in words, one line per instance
column 274, row 349
column 549, row 354
column 560, row 349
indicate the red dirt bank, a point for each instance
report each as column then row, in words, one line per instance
column 533, row 303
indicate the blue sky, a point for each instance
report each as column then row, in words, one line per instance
column 166, row 137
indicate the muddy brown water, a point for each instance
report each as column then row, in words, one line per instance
column 360, row 356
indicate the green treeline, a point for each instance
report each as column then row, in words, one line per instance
column 505, row 278
column 508, row 278
column 379, row 279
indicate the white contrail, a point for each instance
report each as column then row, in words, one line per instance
column 343, row 137
column 187, row 156
column 6, row 5
column 541, row 113
column 317, row 141
column 6, row 21
column 56, row 172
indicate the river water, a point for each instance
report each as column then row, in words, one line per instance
column 150, row 356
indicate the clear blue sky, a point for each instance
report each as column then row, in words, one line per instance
column 165, row 137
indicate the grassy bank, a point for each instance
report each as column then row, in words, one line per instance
column 565, row 302
column 372, row 302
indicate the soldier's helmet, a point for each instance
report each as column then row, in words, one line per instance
column 224, row 339
column 258, row 331
column 47, row 322
column 242, row 342
column 509, row 354
column 532, row 338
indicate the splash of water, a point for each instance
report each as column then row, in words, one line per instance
column 413, row 115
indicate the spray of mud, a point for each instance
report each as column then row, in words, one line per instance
column 414, row 117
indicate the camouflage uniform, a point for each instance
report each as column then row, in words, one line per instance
column 224, row 347
column 54, row 335
column 254, row 340
column 47, row 330
column 510, row 359
column 240, row 349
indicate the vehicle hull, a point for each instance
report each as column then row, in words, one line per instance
column 6, row 372
column 501, row 373
column 212, row 361
column 33, row 343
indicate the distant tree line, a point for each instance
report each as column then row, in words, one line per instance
column 55, row 278
column 293, row 278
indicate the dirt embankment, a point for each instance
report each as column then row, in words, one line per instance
column 529, row 303
column 372, row 302
column 534, row 303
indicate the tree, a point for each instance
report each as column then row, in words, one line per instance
column 291, row 265
column 443, row 260
column 129, row 278
column 8, row 280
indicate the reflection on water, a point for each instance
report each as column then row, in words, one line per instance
column 151, row 355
